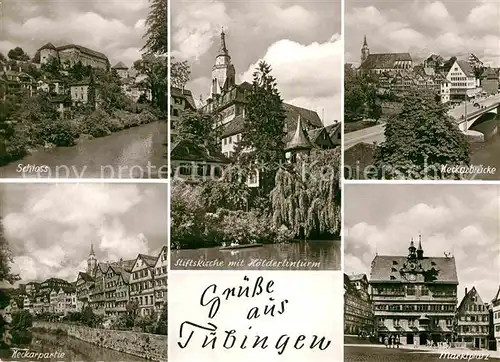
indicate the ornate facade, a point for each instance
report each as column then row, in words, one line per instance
column 414, row 297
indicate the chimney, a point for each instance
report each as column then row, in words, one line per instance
column 465, row 291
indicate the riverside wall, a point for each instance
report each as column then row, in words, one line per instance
column 145, row 345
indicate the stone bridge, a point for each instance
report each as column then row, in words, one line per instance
column 480, row 121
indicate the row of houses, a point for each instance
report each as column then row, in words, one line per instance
column 458, row 81
column 108, row 288
column 414, row 299
column 64, row 94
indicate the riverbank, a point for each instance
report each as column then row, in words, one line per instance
column 144, row 345
column 26, row 138
column 136, row 152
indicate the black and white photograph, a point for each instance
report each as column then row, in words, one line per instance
column 422, row 274
column 421, row 81
column 255, row 134
column 83, row 272
column 83, row 89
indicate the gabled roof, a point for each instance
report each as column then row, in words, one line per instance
column 381, row 271
column 187, row 150
column 332, row 129
column 467, row 298
column 119, row 65
column 48, row 46
column 308, row 117
column 497, row 296
column 147, row 259
column 384, row 60
column 85, row 277
column 185, row 94
column 356, row 277
column 466, row 68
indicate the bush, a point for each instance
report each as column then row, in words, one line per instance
column 96, row 124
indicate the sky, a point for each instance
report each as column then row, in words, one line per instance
column 50, row 227
column 460, row 219
column 113, row 27
column 424, row 27
column 299, row 39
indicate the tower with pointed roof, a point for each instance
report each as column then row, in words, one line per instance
column 365, row 51
column 412, row 251
column 91, row 262
column 223, row 72
column 420, row 251
column 299, row 144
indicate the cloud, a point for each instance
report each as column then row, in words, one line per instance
column 449, row 223
column 307, row 75
column 110, row 27
column 51, row 230
column 426, row 27
column 197, row 26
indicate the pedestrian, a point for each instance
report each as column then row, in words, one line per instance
column 392, row 342
column 386, row 342
column 397, row 341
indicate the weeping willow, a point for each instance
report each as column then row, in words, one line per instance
column 306, row 198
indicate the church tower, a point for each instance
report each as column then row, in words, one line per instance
column 91, row 262
column 223, row 72
column 365, row 51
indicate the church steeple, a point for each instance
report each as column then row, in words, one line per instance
column 222, row 47
column 91, row 262
column 365, row 51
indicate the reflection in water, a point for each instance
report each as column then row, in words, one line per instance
column 124, row 154
column 487, row 154
column 311, row 255
column 73, row 349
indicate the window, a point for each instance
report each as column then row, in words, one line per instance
column 410, row 290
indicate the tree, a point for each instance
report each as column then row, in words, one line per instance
column 18, row 54
column 199, row 128
column 179, row 73
column 36, row 58
column 264, row 125
column 420, row 140
column 155, row 68
column 360, row 97
column 52, row 66
column 156, row 28
column 306, row 198
column 449, row 63
column 91, row 92
column 5, row 259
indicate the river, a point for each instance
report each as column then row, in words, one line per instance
column 487, row 154
column 311, row 255
column 137, row 152
column 74, row 350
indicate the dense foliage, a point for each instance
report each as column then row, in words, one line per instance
column 200, row 222
column 306, row 198
column 156, row 28
column 5, row 259
column 420, row 140
column 179, row 73
column 360, row 97
column 155, row 68
column 199, row 128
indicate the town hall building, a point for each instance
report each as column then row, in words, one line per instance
column 414, row 297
